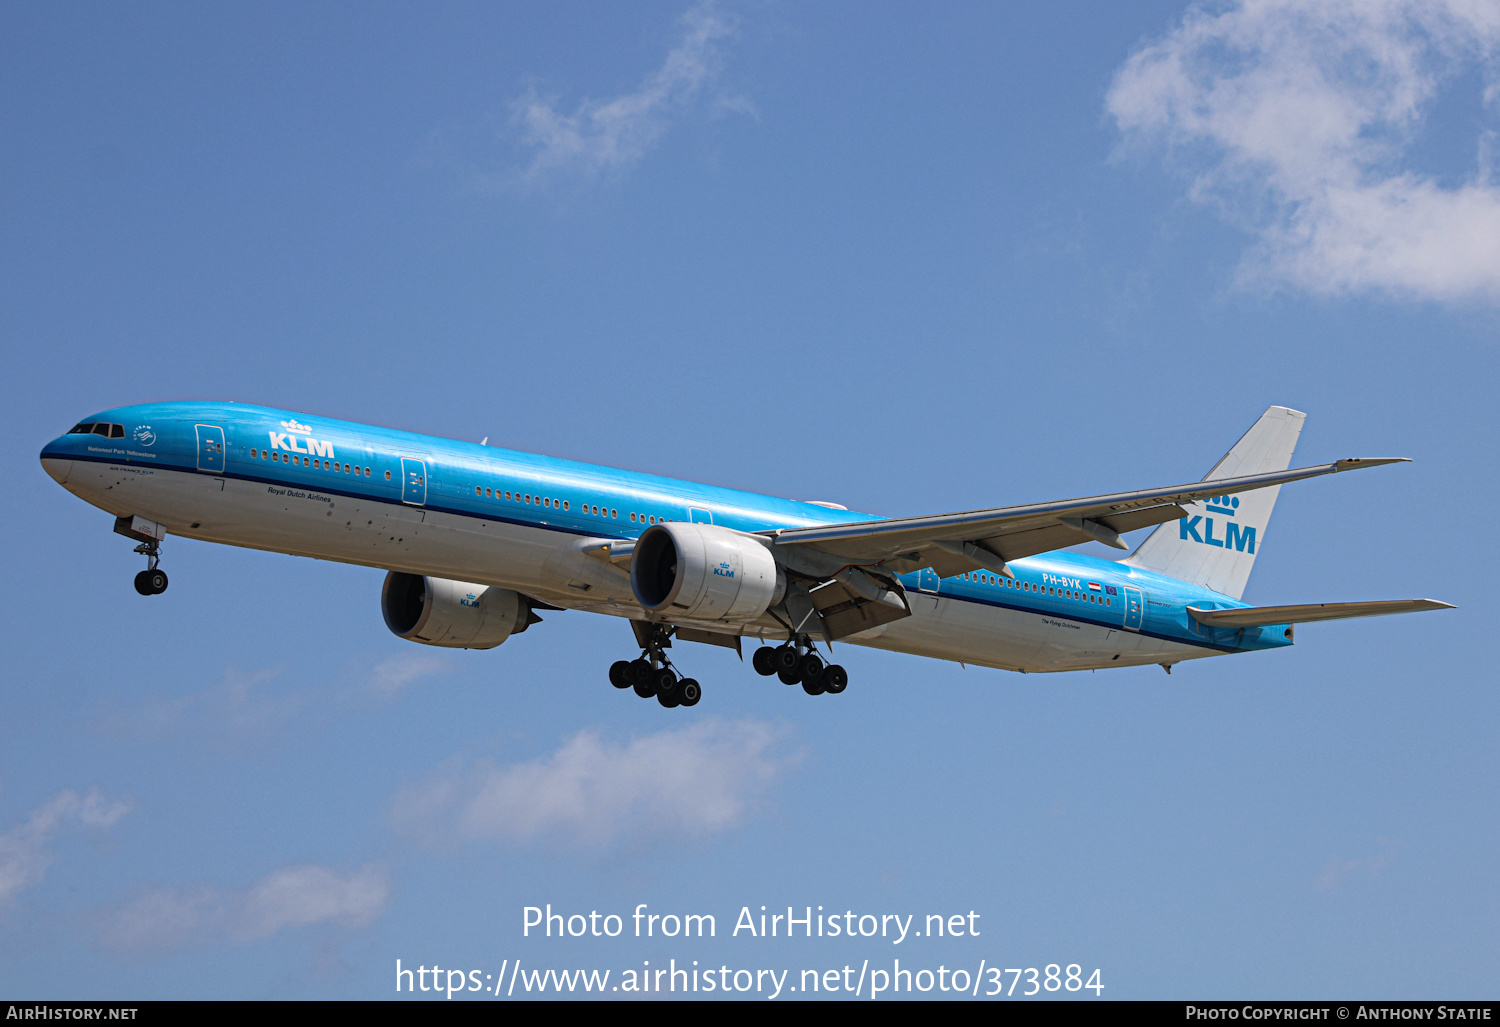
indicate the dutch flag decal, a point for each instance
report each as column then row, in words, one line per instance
column 1094, row 586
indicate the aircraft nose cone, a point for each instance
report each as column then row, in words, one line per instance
column 58, row 467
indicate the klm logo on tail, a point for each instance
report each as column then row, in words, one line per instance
column 1239, row 539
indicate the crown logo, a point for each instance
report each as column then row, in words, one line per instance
column 1224, row 504
column 292, row 425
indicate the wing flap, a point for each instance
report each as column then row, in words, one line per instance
column 1260, row 616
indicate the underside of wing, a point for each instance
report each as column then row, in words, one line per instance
column 958, row 542
column 1259, row 616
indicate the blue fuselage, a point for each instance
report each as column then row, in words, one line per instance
column 254, row 476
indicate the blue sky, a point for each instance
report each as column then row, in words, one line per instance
column 905, row 260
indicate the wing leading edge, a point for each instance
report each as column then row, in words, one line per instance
column 958, row 542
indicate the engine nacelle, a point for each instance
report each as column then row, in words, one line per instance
column 453, row 614
column 706, row 573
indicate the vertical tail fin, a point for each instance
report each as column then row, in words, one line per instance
column 1215, row 545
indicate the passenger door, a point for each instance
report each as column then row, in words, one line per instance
column 413, row 482
column 1135, row 608
column 210, row 448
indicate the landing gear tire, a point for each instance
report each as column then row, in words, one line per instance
column 809, row 668
column 786, row 658
column 835, row 679
column 665, row 681
column 619, row 674
column 813, row 686
column 764, row 661
column 643, row 678
column 151, row 583
column 689, row 692
column 788, row 677
column 670, row 695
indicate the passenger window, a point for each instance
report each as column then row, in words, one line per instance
column 565, row 504
column 614, row 513
column 387, row 475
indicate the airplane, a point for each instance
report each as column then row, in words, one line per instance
column 476, row 539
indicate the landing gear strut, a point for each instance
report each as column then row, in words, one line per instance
column 652, row 674
column 797, row 663
column 153, row 580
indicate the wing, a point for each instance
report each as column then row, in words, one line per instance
column 1258, row 616
column 957, row 542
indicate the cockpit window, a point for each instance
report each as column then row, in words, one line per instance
column 101, row 428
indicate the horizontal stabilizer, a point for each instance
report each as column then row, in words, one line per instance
column 1258, row 616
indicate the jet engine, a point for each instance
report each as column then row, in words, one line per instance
column 703, row 572
column 453, row 614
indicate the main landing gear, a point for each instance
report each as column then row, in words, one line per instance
column 153, row 580
column 652, row 674
column 797, row 663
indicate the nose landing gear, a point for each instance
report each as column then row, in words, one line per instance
column 153, row 580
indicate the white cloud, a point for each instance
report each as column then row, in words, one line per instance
column 1338, row 870
column 24, row 851
column 691, row 781
column 247, row 709
column 599, row 135
column 394, row 674
column 1294, row 118
column 239, row 706
column 161, row 919
column 293, row 896
column 296, row 896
